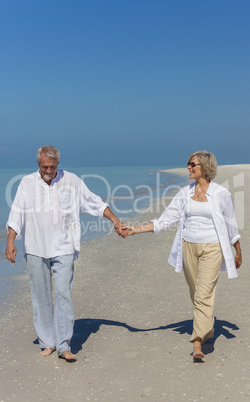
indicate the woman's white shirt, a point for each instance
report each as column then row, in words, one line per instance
column 221, row 205
column 199, row 226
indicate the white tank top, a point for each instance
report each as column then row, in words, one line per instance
column 199, row 226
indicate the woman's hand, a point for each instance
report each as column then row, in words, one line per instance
column 130, row 230
column 238, row 260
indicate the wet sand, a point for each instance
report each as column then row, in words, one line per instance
column 133, row 324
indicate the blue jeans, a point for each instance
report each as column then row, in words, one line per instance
column 54, row 327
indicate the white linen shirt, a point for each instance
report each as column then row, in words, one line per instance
column 221, row 204
column 48, row 217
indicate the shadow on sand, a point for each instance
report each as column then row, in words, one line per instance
column 85, row 327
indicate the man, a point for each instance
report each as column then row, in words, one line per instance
column 46, row 211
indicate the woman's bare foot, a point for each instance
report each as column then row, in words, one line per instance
column 47, row 352
column 197, row 353
column 67, row 355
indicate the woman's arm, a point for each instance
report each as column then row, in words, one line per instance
column 231, row 224
column 229, row 217
column 149, row 227
column 238, row 256
column 169, row 217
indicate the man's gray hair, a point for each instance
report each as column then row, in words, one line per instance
column 49, row 152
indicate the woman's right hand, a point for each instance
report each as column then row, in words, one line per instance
column 130, row 230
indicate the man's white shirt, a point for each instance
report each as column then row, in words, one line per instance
column 48, row 217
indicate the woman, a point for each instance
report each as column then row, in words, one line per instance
column 203, row 241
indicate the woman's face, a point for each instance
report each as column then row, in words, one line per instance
column 195, row 170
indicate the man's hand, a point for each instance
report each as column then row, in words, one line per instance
column 11, row 250
column 120, row 228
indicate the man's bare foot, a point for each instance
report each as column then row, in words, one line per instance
column 47, row 352
column 197, row 353
column 67, row 355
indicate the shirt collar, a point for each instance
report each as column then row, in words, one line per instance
column 209, row 190
column 59, row 174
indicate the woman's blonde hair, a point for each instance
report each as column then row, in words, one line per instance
column 208, row 164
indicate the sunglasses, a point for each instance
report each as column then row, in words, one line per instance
column 193, row 164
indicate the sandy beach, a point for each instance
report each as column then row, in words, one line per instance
column 133, row 324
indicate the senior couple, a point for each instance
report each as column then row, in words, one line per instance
column 46, row 212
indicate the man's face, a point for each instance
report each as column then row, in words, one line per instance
column 48, row 168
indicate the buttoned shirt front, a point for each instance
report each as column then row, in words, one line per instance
column 221, row 204
column 48, row 217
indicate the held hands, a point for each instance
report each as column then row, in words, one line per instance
column 130, row 230
column 146, row 228
column 123, row 230
column 120, row 228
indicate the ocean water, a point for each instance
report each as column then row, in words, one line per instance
column 127, row 189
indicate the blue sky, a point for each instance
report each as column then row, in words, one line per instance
column 124, row 82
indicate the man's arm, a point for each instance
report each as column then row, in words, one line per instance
column 118, row 225
column 11, row 250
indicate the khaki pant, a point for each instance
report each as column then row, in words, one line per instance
column 201, row 264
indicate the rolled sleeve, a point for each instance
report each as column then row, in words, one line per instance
column 12, row 225
column 171, row 215
column 230, row 219
column 91, row 203
column 17, row 213
column 235, row 239
column 102, row 209
column 157, row 229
